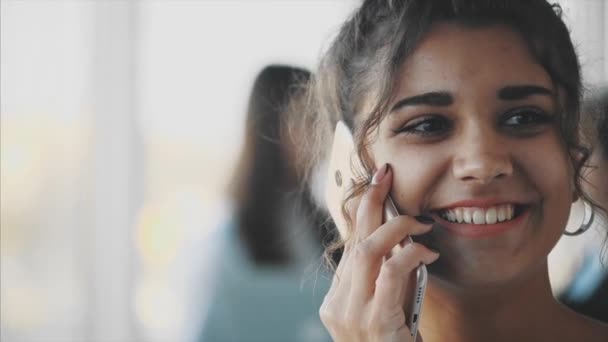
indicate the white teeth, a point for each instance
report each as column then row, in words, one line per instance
column 458, row 212
column 479, row 217
column 490, row 215
column 466, row 216
column 502, row 213
column 451, row 216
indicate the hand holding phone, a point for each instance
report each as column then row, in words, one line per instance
column 344, row 168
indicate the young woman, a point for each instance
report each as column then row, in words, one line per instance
column 467, row 112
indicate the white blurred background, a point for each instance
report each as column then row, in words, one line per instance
column 120, row 124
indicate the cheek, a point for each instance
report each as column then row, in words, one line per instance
column 546, row 167
column 415, row 175
column 552, row 176
column 544, row 163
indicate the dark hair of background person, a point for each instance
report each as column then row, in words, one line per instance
column 358, row 73
column 265, row 170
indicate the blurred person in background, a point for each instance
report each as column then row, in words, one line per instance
column 586, row 274
column 265, row 284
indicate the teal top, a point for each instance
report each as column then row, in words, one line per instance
column 253, row 303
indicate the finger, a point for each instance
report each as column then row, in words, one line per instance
column 371, row 209
column 393, row 279
column 334, row 303
column 341, row 275
column 368, row 256
column 394, row 232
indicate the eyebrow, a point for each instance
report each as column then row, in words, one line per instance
column 435, row 98
column 520, row 92
column 444, row 99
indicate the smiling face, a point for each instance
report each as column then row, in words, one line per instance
column 473, row 137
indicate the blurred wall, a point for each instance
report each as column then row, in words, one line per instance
column 121, row 121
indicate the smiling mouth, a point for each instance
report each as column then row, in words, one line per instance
column 482, row 216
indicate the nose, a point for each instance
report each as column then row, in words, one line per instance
column 482, row 159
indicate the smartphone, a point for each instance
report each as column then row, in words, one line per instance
column 344, row 168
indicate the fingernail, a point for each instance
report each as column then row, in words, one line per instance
column 424, row 219
column 379, row 176
column 433, row 250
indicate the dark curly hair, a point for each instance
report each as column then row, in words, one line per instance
column 595, row 119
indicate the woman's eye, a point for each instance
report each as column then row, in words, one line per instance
column 434, row 125
column 526, row 117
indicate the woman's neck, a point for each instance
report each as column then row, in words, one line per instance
column 521, row 311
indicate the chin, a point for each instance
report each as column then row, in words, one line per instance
column 465, row 275
column 463, row 279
